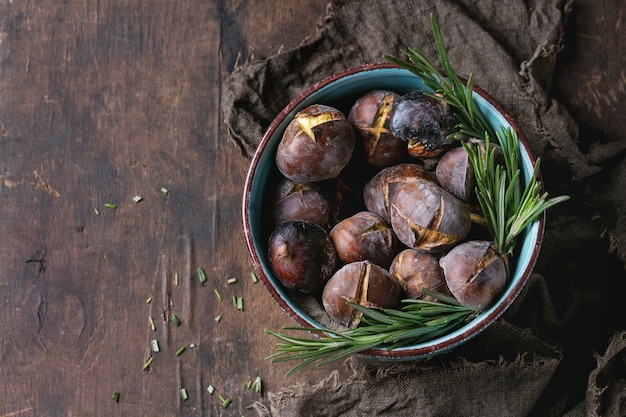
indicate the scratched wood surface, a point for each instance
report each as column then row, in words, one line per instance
column 104, row 101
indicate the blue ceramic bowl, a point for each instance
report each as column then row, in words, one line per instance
column 341, row 90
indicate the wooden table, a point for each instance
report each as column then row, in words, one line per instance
column 104, row 103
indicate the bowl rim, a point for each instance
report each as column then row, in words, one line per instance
column 434, row 346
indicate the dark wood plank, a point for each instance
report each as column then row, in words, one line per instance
column 104, row 101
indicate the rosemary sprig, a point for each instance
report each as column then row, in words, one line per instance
column 417, row 321
column 508, row 206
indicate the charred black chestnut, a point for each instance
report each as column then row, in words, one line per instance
column 415, row 270
column 364, row 236
column 427, row 217
column 370, row 117
column 378, row 192
column 424, row 122
column 361, row 283
column 299, row 201
column 475, row 273
column 301, row 255
column 317, row 144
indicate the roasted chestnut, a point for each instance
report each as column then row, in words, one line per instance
column 475, row 273
column 299, row 201
column 370, row 117
column 427, row 217
column 378, row 192
column 301, row 256
column 364, row 236
column 455, row 173
column 361, row 283
column 317, row 144
column 415, row 270
column 424, row 122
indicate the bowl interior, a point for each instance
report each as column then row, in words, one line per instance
column 341, row 91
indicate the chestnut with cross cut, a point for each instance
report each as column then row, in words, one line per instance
column 415, row 270
column 475, row 272
column 361, row 283
column 370, row 116
column 427, row 217
column 317, row 144
column 299, row 201
column 378, row 192
column 364, row 236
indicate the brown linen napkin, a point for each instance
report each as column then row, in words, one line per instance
column 535, row 361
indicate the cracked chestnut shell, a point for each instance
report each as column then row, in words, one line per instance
column 317, row 144
column 361, row 283
column 455, row 173
column 475, row 273
column 299, row 201
column 427, row 217
column 370, row 116
column 424, row 122
column 301, row 256
column 364, row 236
column 378, row 191
column 416, row 270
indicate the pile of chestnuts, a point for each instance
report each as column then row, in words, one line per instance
column 375, row 205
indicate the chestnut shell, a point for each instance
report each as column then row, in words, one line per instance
column 379, row 191
column 370, row 116
column 364, row 236
column 427, row 217
column 361, row 283
column 475, row 273
column 301, row 256
column 317, row 144
column 415, row 270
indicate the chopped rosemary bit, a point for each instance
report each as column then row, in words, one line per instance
column 148, row 300
column 175, row 320
column 111, row 206
column 183, row 394
column 201, row 275
column 180, row 350
column 148, row 363
column 217, row 294
column 258, row 385
column 137, row 198
column 253, row 277
column 238, row 302
column 225, row 401
column 155, row 345
column 164, row 190
column 95, row 210
column 152, row 326
column 176, row 279
column 116, row 396
column 210, row 389
column 232, row 280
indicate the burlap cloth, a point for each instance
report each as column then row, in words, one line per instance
column 560, row 350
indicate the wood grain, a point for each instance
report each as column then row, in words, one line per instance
column 104, row 101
